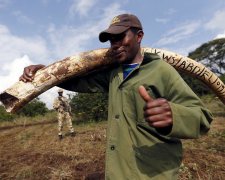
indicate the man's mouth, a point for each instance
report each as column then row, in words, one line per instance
column 118, row 53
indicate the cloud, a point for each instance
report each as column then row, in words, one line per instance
column 68, row 40
column 217, row 21
column 171, row 11
column 179, row 33
column 16, row 53
column 162, row 20
column 166, row 19
column 217, row 24
column 218, row 36
column 13, row 71
column 49, row 96
column 82, row 7
column 22, row 18
column 12, row 47
column 186, row 49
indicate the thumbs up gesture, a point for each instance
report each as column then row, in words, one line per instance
column 157, row 112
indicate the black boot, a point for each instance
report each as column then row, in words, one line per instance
column 60, row 136
column 72, row 134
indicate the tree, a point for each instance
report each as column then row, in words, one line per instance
column 222, row 77
column 35, row 107
column 90, row 106
column 212, row 55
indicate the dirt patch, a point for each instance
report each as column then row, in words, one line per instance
column 35, row 152
column 26, row 125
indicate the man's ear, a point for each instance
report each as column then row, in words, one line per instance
column 140, row 35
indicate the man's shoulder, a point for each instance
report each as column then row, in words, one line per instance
column 64, row 98
column 56, row 100
column 151, row 57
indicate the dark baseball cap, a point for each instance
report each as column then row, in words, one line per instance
column 119, row 24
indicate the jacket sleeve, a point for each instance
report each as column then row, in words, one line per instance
column 56, row 104
column 190, row 118
column 94, row 82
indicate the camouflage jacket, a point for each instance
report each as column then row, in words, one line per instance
column 61, row 104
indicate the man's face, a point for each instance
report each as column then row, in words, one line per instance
column 125, row 46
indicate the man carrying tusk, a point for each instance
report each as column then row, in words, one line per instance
column 150, row 106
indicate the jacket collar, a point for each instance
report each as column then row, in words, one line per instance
column 149, row 57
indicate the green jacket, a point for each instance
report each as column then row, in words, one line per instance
column 134, row 149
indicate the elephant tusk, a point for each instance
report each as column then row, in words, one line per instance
column 20, row 93
column 193, row 68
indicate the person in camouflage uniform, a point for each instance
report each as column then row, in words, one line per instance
column 62, row 106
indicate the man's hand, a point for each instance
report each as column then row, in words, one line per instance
column 157, row 112
column 29, row 72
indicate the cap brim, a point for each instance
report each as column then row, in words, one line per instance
column 104, row 35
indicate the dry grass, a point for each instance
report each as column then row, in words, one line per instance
column 31, row 150
column 204, row 158
column 34, row 152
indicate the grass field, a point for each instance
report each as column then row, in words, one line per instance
column 30, row 149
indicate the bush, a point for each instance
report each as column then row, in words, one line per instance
column 34, row 108
column 4, row 116
column 91, row 106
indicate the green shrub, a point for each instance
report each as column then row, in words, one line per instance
column 90, row 106
column 4, row 116
column 34, row 108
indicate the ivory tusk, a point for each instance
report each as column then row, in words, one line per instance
column 193, row 68
column 19, row 94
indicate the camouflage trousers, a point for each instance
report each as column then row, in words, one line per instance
column 62, row 117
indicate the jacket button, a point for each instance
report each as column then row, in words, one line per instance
column 117, row 116
column 112, row 147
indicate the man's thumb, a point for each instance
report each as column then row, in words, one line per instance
column 144, row 94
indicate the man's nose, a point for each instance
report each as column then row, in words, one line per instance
column 115, row 45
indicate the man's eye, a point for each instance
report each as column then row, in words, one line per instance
column 121, row 36
column 117, row 37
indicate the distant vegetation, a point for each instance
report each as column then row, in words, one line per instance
column 212, row 55
column 4, row 116
column 34, row 108
column 90, row 106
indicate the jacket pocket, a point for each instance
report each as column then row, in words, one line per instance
column 158, row 159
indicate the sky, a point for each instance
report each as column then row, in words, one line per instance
column 45, row 31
